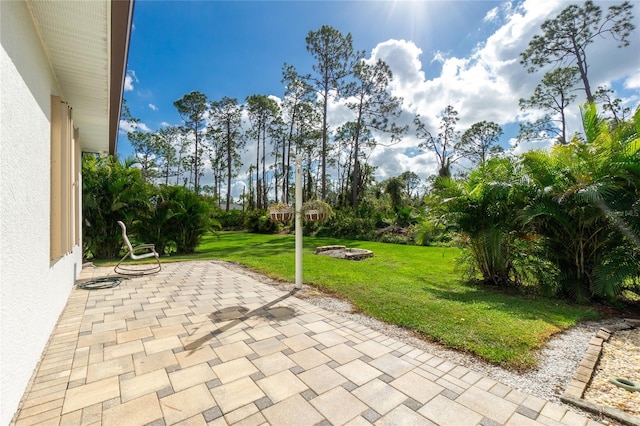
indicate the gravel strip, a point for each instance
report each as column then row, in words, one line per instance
column 557, row 361
column 620, row 358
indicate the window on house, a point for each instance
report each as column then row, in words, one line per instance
column 64, row 180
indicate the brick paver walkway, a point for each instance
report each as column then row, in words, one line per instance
column 200, row 344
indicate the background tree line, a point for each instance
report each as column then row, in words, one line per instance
column 336, row 160
column 564, row 222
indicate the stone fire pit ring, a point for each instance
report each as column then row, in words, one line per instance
column 343, row 252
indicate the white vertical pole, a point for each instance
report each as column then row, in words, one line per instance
column 298, row 222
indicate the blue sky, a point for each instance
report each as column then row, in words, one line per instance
column 463, row 53
column 237, row 48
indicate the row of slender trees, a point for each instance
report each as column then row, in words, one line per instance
column 299, row 123
column 215, row 129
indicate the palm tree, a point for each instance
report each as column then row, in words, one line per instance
column 482, row 209
column 111, row 191
column 190, row 219
column 585, row 192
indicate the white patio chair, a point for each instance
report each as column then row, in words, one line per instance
column 148, row 251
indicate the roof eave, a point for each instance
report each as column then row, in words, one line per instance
column 121, row 19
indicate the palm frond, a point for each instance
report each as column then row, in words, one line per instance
column 611, row 275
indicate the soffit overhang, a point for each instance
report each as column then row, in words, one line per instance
column 87, row 43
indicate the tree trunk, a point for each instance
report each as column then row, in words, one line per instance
column 582, row 66
column 286, row 162
column 258, row 168
column 264, row 171
column 195, row 162
column 229, row 165
column 356, row 168
column 324, row 142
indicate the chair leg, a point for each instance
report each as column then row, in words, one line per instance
column 126, row 270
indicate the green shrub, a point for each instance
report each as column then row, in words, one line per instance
column 394, row 238
column 369, row 210
column 166, row 216
column 584, row 192
column 405, row 217
column 190, row 219
column 429, row 232
column 259, row 221
column 151, row 227
column 348, row 226
column 232, row 220
column 484, row 209
column 111, row 191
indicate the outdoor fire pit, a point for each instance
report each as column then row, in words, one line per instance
column 343, row 252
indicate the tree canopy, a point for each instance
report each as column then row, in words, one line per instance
column 192, row 108
column 334, row 54
column 565, row 38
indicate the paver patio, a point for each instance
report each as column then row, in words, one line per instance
column 201, row 344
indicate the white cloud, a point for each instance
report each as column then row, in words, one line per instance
column 488, row 83
column 403, row 58
column 633, row 81
column 153, row 107
column 491, row 15
column 128, row 85
column 337, row 112
column 525, row 146
column 439, row 56
column 129, row 79
column 129, row 126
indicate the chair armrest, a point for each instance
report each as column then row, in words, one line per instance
column 149, row 251
column 145, row 246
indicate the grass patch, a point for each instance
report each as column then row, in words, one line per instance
column 411, row 286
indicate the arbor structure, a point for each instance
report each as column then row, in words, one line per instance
column 565, row 38
column 334, row 54
column 443, row 144
column 192, row 108
column 479, row 141
column 554, row 94
column 226, row 116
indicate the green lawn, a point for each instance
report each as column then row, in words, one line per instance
column 411, row 286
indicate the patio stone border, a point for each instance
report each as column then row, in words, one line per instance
column 574, row 392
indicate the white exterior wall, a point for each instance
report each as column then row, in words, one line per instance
column 33, row 290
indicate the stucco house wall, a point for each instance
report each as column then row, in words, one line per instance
column 33, row 289
column 45, row 49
